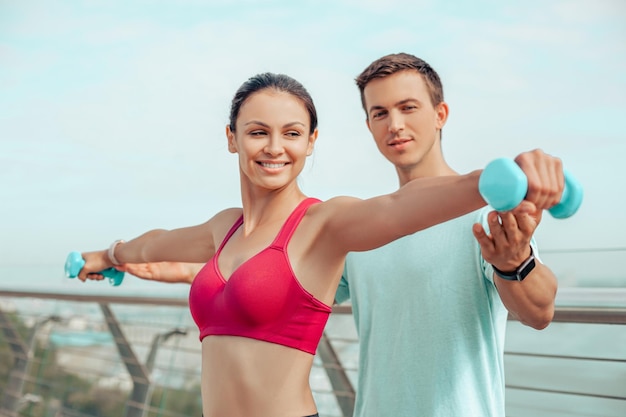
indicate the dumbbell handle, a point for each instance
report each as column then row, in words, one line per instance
column 75, row 263
column 504, row 185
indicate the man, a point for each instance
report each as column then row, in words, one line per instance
column 429, row 308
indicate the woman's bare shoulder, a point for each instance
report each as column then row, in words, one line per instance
column 335, row 205
column 332, row 212
column 221, row 222
column 227, row 215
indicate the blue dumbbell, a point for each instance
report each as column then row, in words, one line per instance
column 75, row 263
column 503, row 185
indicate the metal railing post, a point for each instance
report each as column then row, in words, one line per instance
column 137, row 371
column 344, row 392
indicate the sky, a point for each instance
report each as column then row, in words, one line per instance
column 112, row 113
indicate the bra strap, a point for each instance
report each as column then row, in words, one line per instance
column 230, row 233
column 292, row 222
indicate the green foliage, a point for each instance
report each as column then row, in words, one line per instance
column 97, row 402
column 80, row 394
column 187, row 402
column 6, row 355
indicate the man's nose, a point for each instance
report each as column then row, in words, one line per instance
column 396, row 123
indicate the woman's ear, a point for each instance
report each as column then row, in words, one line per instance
column 230, row 135
column 312, row 139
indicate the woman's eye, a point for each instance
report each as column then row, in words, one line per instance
column 257, row 133
column 293, row 134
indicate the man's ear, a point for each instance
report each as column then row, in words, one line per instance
column 442, row 111
column 230, row 135
column 312, row 139
column 367, row 122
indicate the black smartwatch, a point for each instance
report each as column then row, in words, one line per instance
column 520, row 273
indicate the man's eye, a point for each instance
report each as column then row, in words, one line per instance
column 378, row 114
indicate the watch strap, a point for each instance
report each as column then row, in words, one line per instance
column 521, row 271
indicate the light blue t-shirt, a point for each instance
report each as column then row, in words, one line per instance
column 431, row 325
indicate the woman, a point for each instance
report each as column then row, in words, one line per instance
column 272, row 267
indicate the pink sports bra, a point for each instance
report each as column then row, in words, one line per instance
column 262, row 299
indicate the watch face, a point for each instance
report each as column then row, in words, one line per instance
column 526, row 268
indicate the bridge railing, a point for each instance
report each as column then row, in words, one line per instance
column 91, row 355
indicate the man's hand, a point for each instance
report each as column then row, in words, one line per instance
column 545, row 178
column 508, row 244
column 531, row 301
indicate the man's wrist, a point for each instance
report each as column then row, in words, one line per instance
column 519, row 273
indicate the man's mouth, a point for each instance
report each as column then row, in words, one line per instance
column 398, row 141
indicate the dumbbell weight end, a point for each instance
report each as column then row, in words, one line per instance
column 503, row 185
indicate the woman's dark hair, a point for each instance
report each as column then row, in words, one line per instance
column 278, row 82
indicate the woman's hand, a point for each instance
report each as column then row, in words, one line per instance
column 94, row 263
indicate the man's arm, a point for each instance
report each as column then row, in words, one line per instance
column 343, row 290
column 531, row 300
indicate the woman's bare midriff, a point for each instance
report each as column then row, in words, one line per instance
column 247, row 377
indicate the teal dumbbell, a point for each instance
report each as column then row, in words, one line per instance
column 503, row 185
column 75, row 263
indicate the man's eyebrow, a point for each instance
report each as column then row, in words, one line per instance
column 408, row 100
column 374, row 108
column 399, row 103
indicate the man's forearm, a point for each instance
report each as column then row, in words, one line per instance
column 531, row 301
